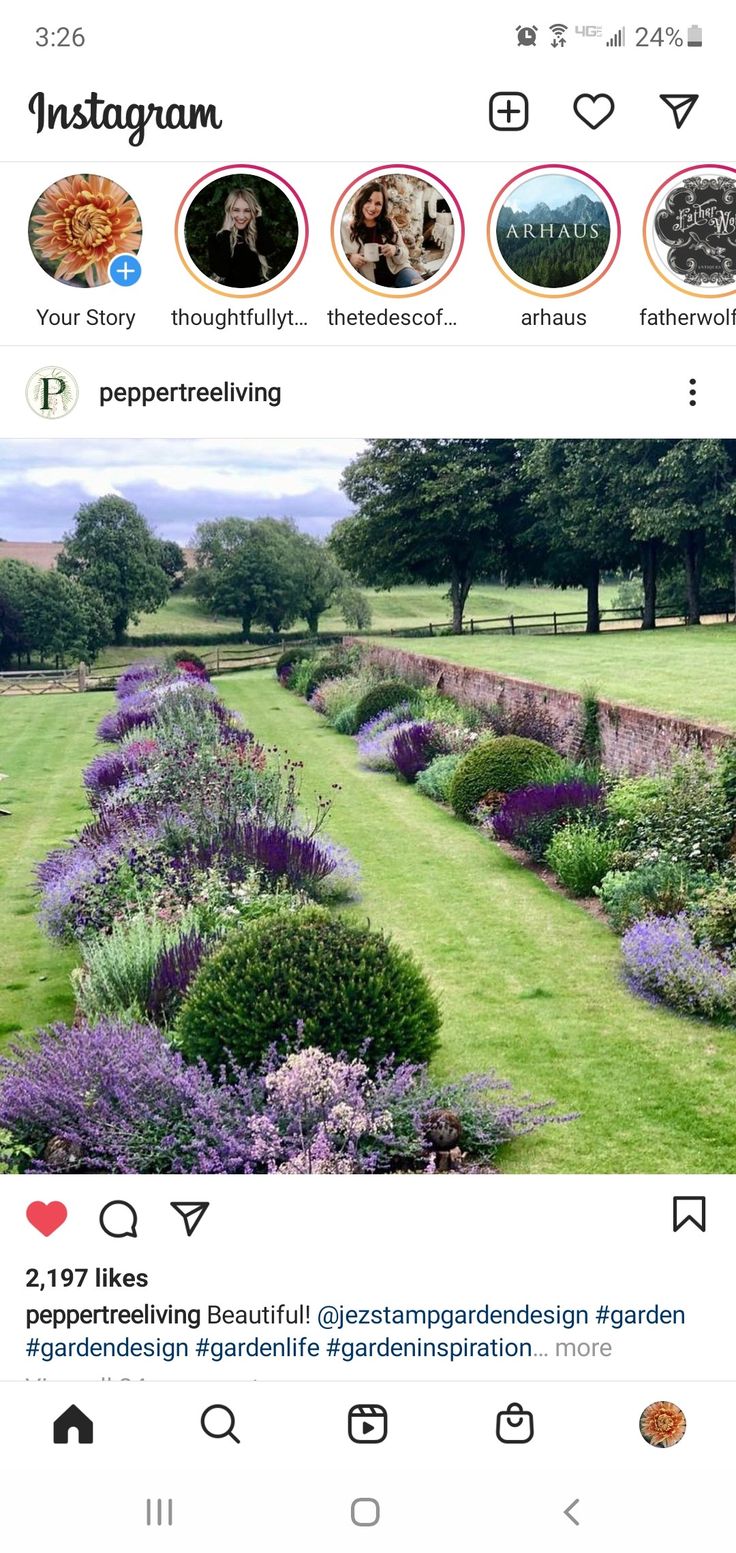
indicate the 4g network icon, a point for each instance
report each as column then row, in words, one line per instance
column 52, row 392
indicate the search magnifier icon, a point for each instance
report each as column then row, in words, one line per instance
column 219, row 1422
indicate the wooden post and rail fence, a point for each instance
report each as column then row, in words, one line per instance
column 231, row 659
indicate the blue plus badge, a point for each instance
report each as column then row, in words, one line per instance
column 125, row 269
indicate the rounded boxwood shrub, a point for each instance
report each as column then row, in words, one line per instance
column 328, row 668
column 312, row 977
column 499, row 766
column 380, row 698
column 289, row 657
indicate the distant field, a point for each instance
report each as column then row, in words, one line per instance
column 182, row 617
column 690, row 671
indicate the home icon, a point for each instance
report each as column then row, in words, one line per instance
column 72, row 1419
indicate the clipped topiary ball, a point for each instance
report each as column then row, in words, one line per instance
column 351, row 987
column 380, row 698
column 328, row 668
column 498, row 766
column 289, row 657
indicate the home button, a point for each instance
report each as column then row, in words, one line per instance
column 72, row 1419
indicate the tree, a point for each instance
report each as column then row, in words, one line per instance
column 428, row 511
column 251, row 568
column 688, row 497
column 16, row 610
column 729, row 505
column 113, row 551
column 172, row 561
column 49, row 615
column 578, row 519
column 355, row 607
column 638, row 459
column 320, row 581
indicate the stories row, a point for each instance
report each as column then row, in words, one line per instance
column 552, row 230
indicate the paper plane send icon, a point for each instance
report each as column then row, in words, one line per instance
column 681, row 104
column 192, row 1213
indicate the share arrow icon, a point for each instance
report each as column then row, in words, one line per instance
column 681, row 105
column 192, row 1213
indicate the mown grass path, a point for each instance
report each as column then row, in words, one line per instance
column 530, row 984
column 45, row 741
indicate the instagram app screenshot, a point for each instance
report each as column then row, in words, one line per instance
column 367, row 778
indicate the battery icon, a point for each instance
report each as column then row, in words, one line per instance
column 695, row 37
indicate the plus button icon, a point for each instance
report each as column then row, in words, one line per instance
column 509, row 111
column 125, row 269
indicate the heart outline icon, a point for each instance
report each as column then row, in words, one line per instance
column 587, row 97
column 46, row 1217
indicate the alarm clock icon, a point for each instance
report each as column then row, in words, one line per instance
column 526, row 36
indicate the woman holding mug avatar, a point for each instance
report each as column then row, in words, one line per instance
column 238, row 253
column 372, row 244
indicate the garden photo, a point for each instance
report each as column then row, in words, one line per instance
column 368, row 807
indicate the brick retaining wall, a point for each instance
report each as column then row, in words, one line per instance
column 635, row 741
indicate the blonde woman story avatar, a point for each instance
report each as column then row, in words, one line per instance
column 239, row 251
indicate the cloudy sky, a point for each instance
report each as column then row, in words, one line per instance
column 175, row 484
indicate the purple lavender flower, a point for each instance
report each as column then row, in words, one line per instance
column 138, row 710
column 529, row 815
column 384, row 720
column 137, row 677
column 375, row 749
column 119, row 1099
column 176, row 968
column 413, row 747
column 123, row 1101
column 107, row 772
column 663, row 962
column 286, row 854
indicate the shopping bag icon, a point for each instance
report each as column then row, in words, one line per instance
column 514, row 1426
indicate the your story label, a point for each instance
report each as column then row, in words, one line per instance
column 94, row 317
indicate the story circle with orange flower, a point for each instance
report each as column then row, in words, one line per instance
column 79, row 225
column 662, row 1424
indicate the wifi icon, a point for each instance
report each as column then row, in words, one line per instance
column 558, row 29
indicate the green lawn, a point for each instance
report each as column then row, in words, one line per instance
column 44, row 743
column 529, row 982
column 687, row 670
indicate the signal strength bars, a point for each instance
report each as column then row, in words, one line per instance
column 618, row 40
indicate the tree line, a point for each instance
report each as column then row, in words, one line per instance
column 446, row 510
column 555, row 511
column 111, row 569
column 267, row 572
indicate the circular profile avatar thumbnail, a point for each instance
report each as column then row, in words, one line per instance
column 241, row 229
column 553, row 231
column 662, row 1424
column 397, row 228
column 690, row 230
column 79, row 225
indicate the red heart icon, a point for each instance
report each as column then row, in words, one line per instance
column 46, row 1216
